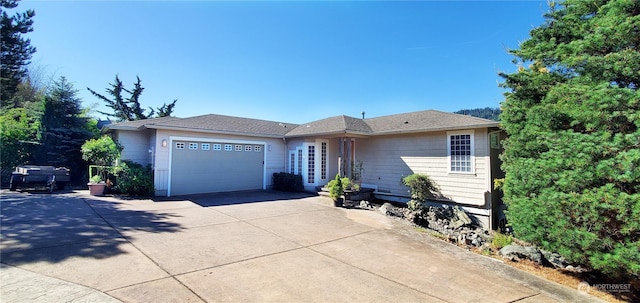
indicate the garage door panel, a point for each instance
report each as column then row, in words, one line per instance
column 205, row 171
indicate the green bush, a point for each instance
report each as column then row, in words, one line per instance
column 101, row 152
column 336, row 190
column 414, row 204
column 421, row 187
column 133, row 179
column 287, row 182
column 501, row 240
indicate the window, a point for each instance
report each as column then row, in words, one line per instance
column 193, row 146
column 248, row 148
column 257, row 148
column 228, row 147
column 205, row 146
column 179, row 145
column 323, row 161
column 217, row 146
column 311, row 161
column 292, row 163
column 460, row 149
column 238, row 147
column 299, row 161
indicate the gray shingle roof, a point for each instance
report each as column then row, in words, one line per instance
column 421, row 121
column 333, row 125
column 427, row 120
column 213, row 123
column 139, row 124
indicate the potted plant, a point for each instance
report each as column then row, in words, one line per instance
column 96, row 185
column 99, row 153
column 336, row 190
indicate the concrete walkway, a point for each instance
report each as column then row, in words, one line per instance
column 242, row 247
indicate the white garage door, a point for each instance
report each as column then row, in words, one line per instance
column 206, row 167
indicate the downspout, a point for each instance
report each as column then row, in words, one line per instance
column 284, row 141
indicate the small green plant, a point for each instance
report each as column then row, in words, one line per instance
column 95, row 179
column 501, row 240
column 346, row 183
column 421, row 187
column 336, row 190
column 414, row 204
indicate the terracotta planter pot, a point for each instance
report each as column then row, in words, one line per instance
column 96, row 189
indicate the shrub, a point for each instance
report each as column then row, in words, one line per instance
column 133, row 179
column 335, row 188
column 421, row 187
column 414, row 204
column 95, row 179
column 501, row 240
column 102, row 152
column 287, row 182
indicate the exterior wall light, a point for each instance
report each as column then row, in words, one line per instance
column 164, row 142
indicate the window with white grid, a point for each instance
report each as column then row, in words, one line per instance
column 193, row 146
column 205, row 146
column 460, row 152
column 217, row 146
column 228, row 147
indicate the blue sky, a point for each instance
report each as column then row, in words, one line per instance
column 288, row 61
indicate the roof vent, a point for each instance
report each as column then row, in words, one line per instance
column 406, row 122
column 362, row 113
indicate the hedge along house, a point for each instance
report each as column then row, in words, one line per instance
column 215, row 153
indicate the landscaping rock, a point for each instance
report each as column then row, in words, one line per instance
column 516, row 252
column 390, row 210
column 459, row 218
column 555, row 259
column 364, row 204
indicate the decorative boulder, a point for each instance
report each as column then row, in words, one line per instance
column 516, row 252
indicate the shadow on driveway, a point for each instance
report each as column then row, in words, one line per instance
column 239, row 197
column 39, row 227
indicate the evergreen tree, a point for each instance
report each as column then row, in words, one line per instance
column 63, row 129
column 129, row 109
column 485, row 113
column 15, row 50
column 572, row 113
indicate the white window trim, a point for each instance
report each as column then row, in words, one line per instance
column 473, row 147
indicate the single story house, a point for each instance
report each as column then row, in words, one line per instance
column 217, row 153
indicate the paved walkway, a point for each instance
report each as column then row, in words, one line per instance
column 242, row 247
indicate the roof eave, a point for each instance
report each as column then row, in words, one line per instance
column 332, row 133
column 210, row 131
column 439, row 129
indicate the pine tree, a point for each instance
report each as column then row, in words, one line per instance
column 63, row 129
column 129, row 109
column 15, row 50
column 572, row 159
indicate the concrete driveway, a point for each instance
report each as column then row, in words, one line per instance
column 241, row 247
